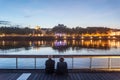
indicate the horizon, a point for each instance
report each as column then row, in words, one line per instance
column 49, row 13
column 19, row 26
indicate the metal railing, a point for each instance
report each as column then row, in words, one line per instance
column 72, row 57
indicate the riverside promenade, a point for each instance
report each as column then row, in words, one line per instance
column 73, row 74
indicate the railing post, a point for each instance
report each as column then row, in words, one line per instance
column 16, row 63
column 35, row 63
column 109, row 63
column 72, row 63
column 90, row 63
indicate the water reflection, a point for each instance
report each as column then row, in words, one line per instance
column 60, row 45
column 4, row 45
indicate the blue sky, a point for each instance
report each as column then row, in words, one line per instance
column 48, row 13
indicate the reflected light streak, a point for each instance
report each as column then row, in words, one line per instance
column 114, row 37
column 91, row 37
column 73, row 42
column 73, row 37
column 82, row 37
column 30, row 43
column 64, row 37
column 59, row 43
column 100, row 37
column 3, row 43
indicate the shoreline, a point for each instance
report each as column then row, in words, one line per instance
column 37, row 38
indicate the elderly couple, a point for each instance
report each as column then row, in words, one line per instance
column 61, row 66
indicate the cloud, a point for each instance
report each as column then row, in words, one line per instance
column 28, row 16
column 31, row 12
column 4, row 22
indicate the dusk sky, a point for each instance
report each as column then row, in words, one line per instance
column 48, row 13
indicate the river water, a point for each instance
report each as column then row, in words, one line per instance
column 64, row 47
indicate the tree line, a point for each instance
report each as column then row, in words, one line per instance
column 60, row 28
column 17, row 30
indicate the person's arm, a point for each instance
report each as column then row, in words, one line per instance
column 57, row 65
column 66, row 65
column 45, row 63
column 54, row 62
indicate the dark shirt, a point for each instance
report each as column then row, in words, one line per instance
column 61, row 68
column 49, row 66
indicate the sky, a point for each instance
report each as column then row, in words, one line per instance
column 72, row 13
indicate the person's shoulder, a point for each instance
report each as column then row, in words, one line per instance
column 53, row 61
column 58, row 62
column 65, row 62
column 47, row 60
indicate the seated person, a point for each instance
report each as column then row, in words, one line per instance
column 49, row 65
column 61, row 67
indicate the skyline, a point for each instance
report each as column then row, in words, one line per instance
column 48, row 13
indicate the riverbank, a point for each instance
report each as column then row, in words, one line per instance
column 36, row 38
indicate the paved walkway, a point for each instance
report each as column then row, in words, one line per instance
column 34, row 75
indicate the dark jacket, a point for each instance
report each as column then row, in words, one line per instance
column 62, row 68
column 49, row 66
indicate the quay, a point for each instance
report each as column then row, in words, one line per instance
column 72, row 75
column 90, row 73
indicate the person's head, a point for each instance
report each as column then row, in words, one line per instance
column 50, row 56
column 61, row 59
